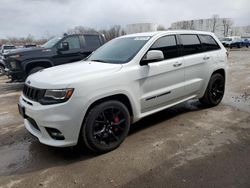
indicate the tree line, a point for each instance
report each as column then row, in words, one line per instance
column 110, row 33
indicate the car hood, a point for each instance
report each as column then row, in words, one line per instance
column 25, row 50
column 65, row 75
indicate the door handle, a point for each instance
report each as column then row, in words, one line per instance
column 177, row 64
column 206, row 57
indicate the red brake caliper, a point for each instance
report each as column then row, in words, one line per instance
column 116, row 119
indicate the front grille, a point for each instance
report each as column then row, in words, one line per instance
column 8, row 61
column 7, row 64
column 32, row 93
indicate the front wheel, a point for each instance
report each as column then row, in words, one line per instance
column 35, row 69
column 215, row 91
column 2, row 71
column 106, row 126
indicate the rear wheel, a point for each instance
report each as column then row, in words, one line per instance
column 215, row 91
column 35, row 69
column 106, row 126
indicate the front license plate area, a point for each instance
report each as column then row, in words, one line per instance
column 21, row 110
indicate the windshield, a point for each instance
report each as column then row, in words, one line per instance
column 51, row 42
column 120, row 50
column 227, row 39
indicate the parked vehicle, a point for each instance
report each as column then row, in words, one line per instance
column 245, row 42
column 235, row 41
column 2, row 66
column 56, row 51
column 125, row 80
column 6, row 49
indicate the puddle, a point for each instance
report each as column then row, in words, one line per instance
column 239, row 101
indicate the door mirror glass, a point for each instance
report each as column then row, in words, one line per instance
column 152, row 56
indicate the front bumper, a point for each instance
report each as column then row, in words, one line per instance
column 16, row 73
column 65, row 117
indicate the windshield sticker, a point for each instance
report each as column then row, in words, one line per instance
column 141, row 38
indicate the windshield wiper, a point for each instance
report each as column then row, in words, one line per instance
column 98, row 60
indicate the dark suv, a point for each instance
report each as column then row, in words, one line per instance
column 57, row 51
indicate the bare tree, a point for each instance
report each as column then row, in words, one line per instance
column 161, row 28
column 215, row 23
column 191, row 25
column 81, row 30
column 113, row 32
column 227, row 24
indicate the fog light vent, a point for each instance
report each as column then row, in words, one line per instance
column 55, row 134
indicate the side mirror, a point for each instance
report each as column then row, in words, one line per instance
column 64, row 47
column 152, row 56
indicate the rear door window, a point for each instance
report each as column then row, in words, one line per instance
column 92, row 41
column 209, row 43
column 167, row 45
column 191, row 44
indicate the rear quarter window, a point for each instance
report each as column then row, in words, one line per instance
column 209, row 43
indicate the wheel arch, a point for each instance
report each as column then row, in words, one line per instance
column 123, row 98
column 221, row 72
column 37, row 63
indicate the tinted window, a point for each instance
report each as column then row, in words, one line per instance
column 92, row 41
column 120, row 50
column 167, row 45
column 208, row 43
column 9, row 47
column 191, row 44
column 74, row 42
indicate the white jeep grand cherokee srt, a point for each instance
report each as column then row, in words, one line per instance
column 128, row 78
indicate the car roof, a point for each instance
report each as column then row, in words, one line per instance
column 151, row 34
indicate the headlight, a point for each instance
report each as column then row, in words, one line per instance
column 15, row 56
column 13, row 65
column 54, row 96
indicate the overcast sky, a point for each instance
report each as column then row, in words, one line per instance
column 53, row 17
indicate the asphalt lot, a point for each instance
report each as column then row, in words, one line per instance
column 184, row 146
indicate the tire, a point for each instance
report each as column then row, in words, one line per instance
column 215, row 91
column 2, row 71
column 35, row 69
column 105, row 126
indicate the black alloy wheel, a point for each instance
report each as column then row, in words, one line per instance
column 106, row 126
column 215, row 91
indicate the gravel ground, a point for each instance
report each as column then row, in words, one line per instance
column 184, row 146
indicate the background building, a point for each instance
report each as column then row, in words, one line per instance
column 220, row 26
column 243, row 31
column 140, row 27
